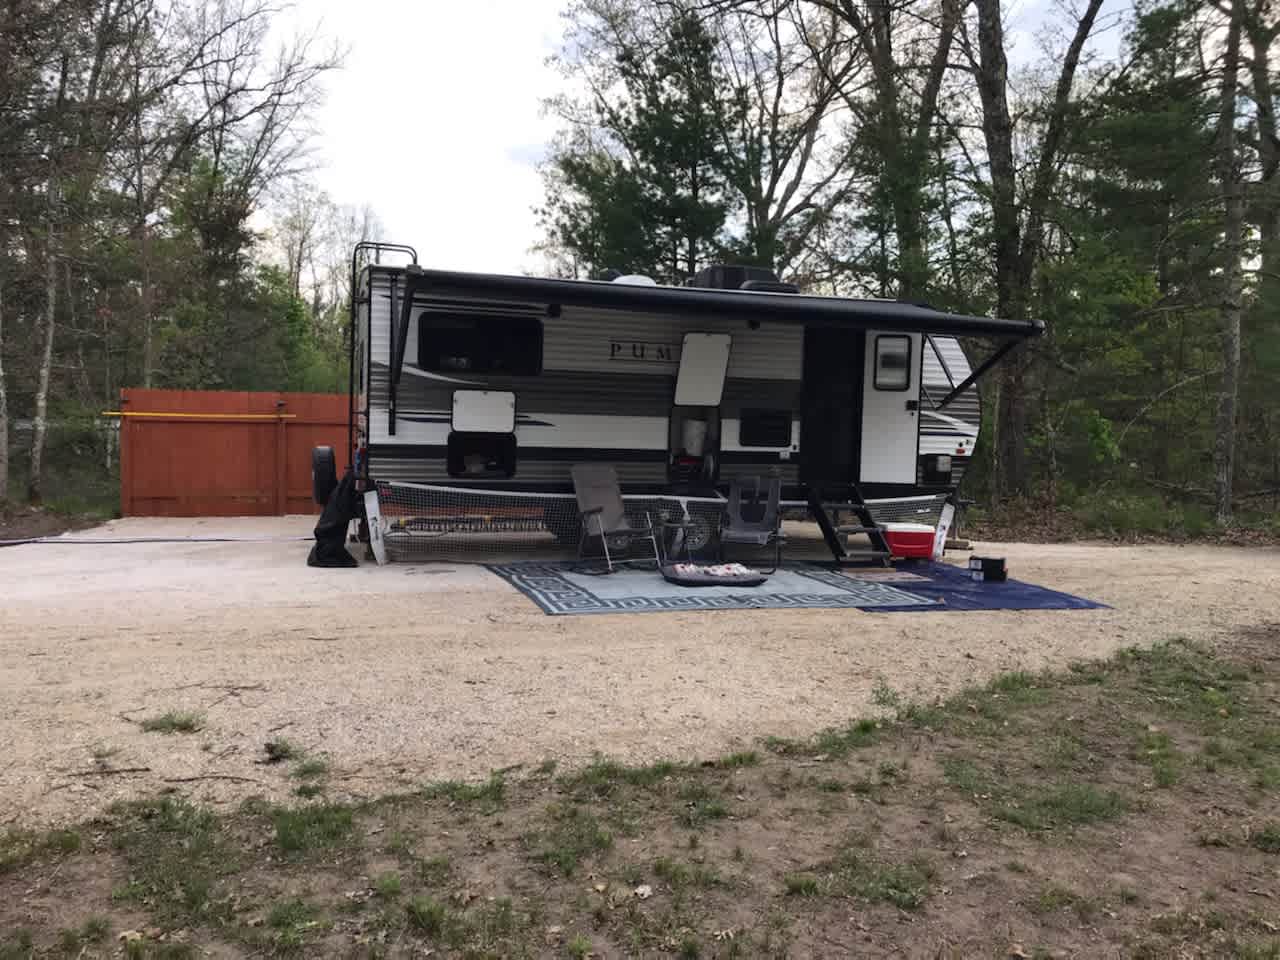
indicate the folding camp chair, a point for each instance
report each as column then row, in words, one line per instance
column 604, row 516
column 764, row 528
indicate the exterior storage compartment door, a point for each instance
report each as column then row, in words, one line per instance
column 890, row 407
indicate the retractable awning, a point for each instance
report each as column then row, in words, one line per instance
column 749, row 305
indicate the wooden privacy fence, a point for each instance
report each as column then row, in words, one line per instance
column 206, row 453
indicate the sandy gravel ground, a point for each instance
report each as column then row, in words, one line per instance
column 427, row 671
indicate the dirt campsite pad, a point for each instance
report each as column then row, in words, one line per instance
column 421, row 671
column 1118, row 807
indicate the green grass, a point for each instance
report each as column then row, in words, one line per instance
column 175, row 721
column 387, row 885
column 281, row 750
column 311, row 769
column 428, row 916
column 572, row 834
column 1066, row 804
column 20, row 847
column 800, row 885
column 177, row 855
column 1157, row 749
column 579, row 948
column 489, row 795
column 1267, row 839
column 434, row 870
column 291, row 923
column 735, row 761
column 603, row 776
column 307, row 829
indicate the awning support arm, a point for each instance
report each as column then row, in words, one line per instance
column 413, row 280
column 1001, row 352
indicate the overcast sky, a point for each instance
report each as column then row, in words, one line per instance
column 436, row 120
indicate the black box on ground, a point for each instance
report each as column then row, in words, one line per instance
column 989, row 569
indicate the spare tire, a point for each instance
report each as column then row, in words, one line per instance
column 324, row 474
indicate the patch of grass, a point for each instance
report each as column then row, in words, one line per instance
column 306, row 829
column 308, row 791
column 883, row 695
column 429, row 916
column 434, row 870
column 311, row 769
column 679, row 875
column 926, row 716
column 904, row 885
column 177, row 854
column 1158, row 751
column 699, row 812
column 833, row 742
column 800, row 885
column 840, row 742
column 95, row 929
column 291, row 922
column 489, row 795
column 579, row 948
column 965, row 775
column 735, row 761
column 1068, row 804
column 1267, row 839
column 603, row 776
column 175, row 721
column 280, row 750
column 571, row 835
column 857, row 873
column 21, row 847
column 387, row 885
column 689, row 948
column 1054, row 897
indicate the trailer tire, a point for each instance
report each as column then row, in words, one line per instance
column 324, row 474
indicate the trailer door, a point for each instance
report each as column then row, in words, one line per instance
column 890, row 407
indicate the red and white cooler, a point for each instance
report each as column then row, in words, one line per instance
column 910, row 540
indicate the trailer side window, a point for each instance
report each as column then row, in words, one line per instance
column 764, row 428
column 893, row 363
column 480, row 343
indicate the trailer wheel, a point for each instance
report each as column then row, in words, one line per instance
column 324, row 474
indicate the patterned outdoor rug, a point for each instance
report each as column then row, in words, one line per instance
column 558, row 590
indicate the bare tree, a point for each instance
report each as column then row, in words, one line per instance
column 1232, row 269
column 901, row 113
column 1018, row 221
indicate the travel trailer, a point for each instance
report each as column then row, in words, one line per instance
column 503, row 383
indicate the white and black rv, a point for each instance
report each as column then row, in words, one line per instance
column 503, row 383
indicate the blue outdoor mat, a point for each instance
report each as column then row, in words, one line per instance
column 912, row 585
column 558, row 589
column 952, row 585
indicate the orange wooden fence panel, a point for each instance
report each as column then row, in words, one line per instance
column 215, row 453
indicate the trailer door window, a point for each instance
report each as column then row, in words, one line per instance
column 480, row 343
column 893, row 363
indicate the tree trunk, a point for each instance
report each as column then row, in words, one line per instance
column 1224, row 446
column 997, row 127
column 148, row 308
column 4, row 412
column 40, row 423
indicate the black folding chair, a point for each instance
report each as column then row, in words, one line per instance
column 762, row 526
column 604, row 516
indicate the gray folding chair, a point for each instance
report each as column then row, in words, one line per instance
column 604, row 516
column 763, row 526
